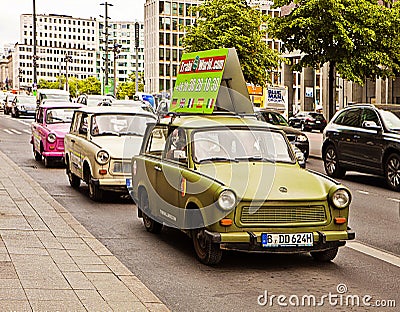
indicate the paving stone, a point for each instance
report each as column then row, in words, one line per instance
column 7, row 270
column 156, row 307
column 15, row 305
column 88, row 260
column 12, row 294
column 10, row 283
column 68, row 267
column 51, row 295
column 38, row 281
column 83, row 252
column 139, row 289
column 49, row 241
column 14, row 223
column 78, row 280
column 4, row 256
column 60, row 256
column 127, row 306
column 27, row 251
column 92, row 300
column 97, row 247
column 115, row 265
column 104, row 280
column 120, row 294
column 94, row 268
column 59, row 306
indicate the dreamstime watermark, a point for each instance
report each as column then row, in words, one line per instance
column 341, row 298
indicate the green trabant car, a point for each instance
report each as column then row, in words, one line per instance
column 100, row 145
column 233, row 182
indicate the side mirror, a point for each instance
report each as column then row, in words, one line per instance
column 371, row 125
column 299, row 156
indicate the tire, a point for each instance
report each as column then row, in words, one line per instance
column 150, row 224
column 392, row 172
column 47, row 161
column 207, row 252
column 38, row 156
column 74, row 181
column 95, row 193
column 325, row 255
column 331, row 163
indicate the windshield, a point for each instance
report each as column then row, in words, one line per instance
column 240, row 145
column 27, row 100
column 59, row 115
column 391, row 119
column 60, row 97
column 119, row 124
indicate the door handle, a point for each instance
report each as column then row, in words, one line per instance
column 157, row 168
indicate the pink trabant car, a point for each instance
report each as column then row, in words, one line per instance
column 52, row 122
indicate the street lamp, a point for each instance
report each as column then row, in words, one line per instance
column 116, row 50
column 68, row 58
column 34, row 46
column 106, row 17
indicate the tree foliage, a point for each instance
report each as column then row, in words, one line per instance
column 359, row 37
column 90, row 85
column 128, row 88
column 233, row 24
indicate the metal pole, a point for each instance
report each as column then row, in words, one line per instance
column 137, row 72
column 115, row 70
column 34, row 44
column 66, row 72
column 106, row 42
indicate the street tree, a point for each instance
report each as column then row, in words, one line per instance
column 128, row 88
column 234, row 24
column 358, row 38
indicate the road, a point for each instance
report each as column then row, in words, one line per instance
column 166, row 263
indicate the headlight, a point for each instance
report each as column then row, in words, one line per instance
column 341, row 198
column 51, row 138
column 227, row 200
column 301, row 138
column 102, row 157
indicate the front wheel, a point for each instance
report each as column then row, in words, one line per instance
column 392, row 171
column 325, row 255
column 150, row 224
column 74, row 181
column 95, row 193
column 207, row 252
column 37, row 155
column 331, row 163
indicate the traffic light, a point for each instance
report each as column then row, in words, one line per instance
column 137, row 35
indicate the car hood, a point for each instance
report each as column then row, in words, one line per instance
column 260, row 181
column 124, row 146
column 59, row 129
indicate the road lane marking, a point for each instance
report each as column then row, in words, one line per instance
column 15, row 131
column 376, row 253
column 394, row 199
column 363, row 192
column 27, row 131
column 24, row 122
column 7, row 131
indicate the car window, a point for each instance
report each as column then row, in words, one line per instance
column 351, row 118
column 176, row 146
column 83, row 126
column 39, row 116
column 156, row 141
column 240, row 145
column 76, row 122
column 370, row 115
column 391, row 120
column 317, row 116
column 59, row 115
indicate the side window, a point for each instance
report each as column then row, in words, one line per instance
column 83, row 125
column 369, row 115
column 75, row 122
column 351, row 118
column 39, row 116
column 156, row 141
column 177, row 146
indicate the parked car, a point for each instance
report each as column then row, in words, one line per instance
column 8, row 103
column 52, row 95
column 100, row 145
column 93, row 100
column 364, row 138
column 130, row 103
column 234, row 183
column 52, row 122
column 23, row 105
column 308, row 121
column 296, row 137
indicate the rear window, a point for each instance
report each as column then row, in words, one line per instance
column 317, row 116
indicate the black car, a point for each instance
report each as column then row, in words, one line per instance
column 296, row 137
column 364, row 138
column 308, row 121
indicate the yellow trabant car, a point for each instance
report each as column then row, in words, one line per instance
column 231, row 182
column 100, row 145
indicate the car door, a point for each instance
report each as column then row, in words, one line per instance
column 170, row 180
column 348, row 135
column 37, row 129
column 370, row 141
column 76, row 141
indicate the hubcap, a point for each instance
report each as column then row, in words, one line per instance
column 330, row 161
column 393, row 171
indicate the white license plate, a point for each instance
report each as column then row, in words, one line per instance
column 128, row 183
column 287, row 240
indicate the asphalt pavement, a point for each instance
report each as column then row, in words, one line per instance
column 50, row 262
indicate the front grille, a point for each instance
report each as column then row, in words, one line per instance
column 122, row 167
column 283, row 214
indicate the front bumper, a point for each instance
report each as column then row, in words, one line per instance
column 115, row 185
column 251, row 241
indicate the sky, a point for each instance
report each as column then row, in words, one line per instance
column 122, row 10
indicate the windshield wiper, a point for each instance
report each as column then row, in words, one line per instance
column 254, row 158
column 131, row 133
column 218, row 159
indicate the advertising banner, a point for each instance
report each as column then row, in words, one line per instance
column 198, row 81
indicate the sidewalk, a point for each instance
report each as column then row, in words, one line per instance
column 50, row 262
